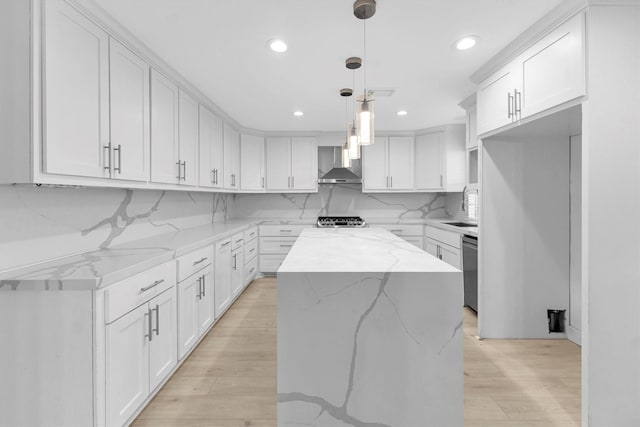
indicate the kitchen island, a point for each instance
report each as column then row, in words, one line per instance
column 369, row 333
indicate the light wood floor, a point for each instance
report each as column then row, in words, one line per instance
column 230, row 379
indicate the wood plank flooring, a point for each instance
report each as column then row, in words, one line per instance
column 230, row 379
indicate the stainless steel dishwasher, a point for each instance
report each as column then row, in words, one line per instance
column 470, row 269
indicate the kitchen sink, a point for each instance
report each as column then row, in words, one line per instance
column 461, row 224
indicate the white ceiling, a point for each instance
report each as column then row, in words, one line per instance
column 220, row 47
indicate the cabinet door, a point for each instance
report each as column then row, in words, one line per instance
column 129, row 90
column 127, row 365
column 164, row 129
column 222, row 283
column 429, row 160
column 206, row 302
column 237, row 271
column 163, row 345
column 401, row 163
column 431, row 247
column 231, row 157
column 188, row 296
column 304, row 164
column 210, row 149
column 450, row 255
column 188, row 146
column 553, row 69
column 495, row 100
column 76, row 93
column 472, row 128
column 278, row 164
column 375, row 174
column 251, row 163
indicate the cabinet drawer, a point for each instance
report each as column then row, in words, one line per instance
column 449, row 237
column 136, row 290
column 271, row 263
column 276, row 245
column 193, row 262
column 237, row 241
column 250, row 270
column 250, row 250
column 250, row 234
column 403, row 229
column 281, row 230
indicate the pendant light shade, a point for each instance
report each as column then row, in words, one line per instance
column 346, row 161
column 366, row 121
column 353, row 143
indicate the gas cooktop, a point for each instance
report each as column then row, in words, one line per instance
column 340, row 221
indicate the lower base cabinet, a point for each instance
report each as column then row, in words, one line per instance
column 141, row 352
column 222, row 285
column 195, row 308
column 237, row 271
column 444, row 245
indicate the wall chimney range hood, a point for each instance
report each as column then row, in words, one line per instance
column 339, row 175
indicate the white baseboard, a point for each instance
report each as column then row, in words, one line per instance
column 574, row 335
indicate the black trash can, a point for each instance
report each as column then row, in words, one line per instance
column 556, row 320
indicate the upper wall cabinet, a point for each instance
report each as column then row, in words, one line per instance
column 388, row 164
column 546, row 75
column 231, row 158
column 291, row 164
column 188, row 139
column 76, row 94
column 129, row 108
column 252, row 163
column 211, row 171
column 440, row 159
column 165, row 165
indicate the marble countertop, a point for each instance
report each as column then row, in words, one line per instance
column 101, row 268
column 371, row 249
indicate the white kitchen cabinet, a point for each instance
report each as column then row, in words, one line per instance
column 231, row 158
column 440, row 159
column 127, row 365
column 291, row 164
column 412, row 233
column 549, row 73
column 388, row 164
column 140, row 353
column 211, row 149
column 444, row 244
column 195, row 303
column 129, row 146
column 252, row 163
column 222, row 282
column 250, row 255
column 237, row 271
column 275, row 243
column 76, row 94
column 165, row 161
column 188, row 140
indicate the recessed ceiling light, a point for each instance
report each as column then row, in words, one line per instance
column 298, row 113
column 277, row 45
column 467, row 42
column 402, row 113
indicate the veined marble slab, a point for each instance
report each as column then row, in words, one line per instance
column 101, row 268
column 369, row 333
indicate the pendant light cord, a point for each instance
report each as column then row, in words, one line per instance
column 365, row 59
column 354, row 98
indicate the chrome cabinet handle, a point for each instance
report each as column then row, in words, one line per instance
column 387, row 182
column 517, row 102
column 211, row 177
column 391, row 179
column 184, row 170
column 157, row 329
column 235, row 266
column 108, row 148
column 153, row 285
column 204, row 288
column 396, row 231
column 252, row 249
column 441, row 181
column 285, row 231
column 179, row 177
column 199, row 295
column 225, row 244
column 262, row 181
column 148, row 335
column 119, row 150
column 200, row 261
column 293, row 182
column 252, row 270
column 286, row 246
column 509, row 105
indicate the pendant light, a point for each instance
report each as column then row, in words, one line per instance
column 365, row 9
column 346, row 159
column 353, row 138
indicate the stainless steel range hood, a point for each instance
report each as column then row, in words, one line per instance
column 338, row 174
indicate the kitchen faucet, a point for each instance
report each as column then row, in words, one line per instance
column 462, row 205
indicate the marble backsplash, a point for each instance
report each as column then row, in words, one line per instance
column 345, row 199
column 44, row 223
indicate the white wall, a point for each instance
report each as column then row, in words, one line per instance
column 611, row 237
column 574, row 320
column 525, row 236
